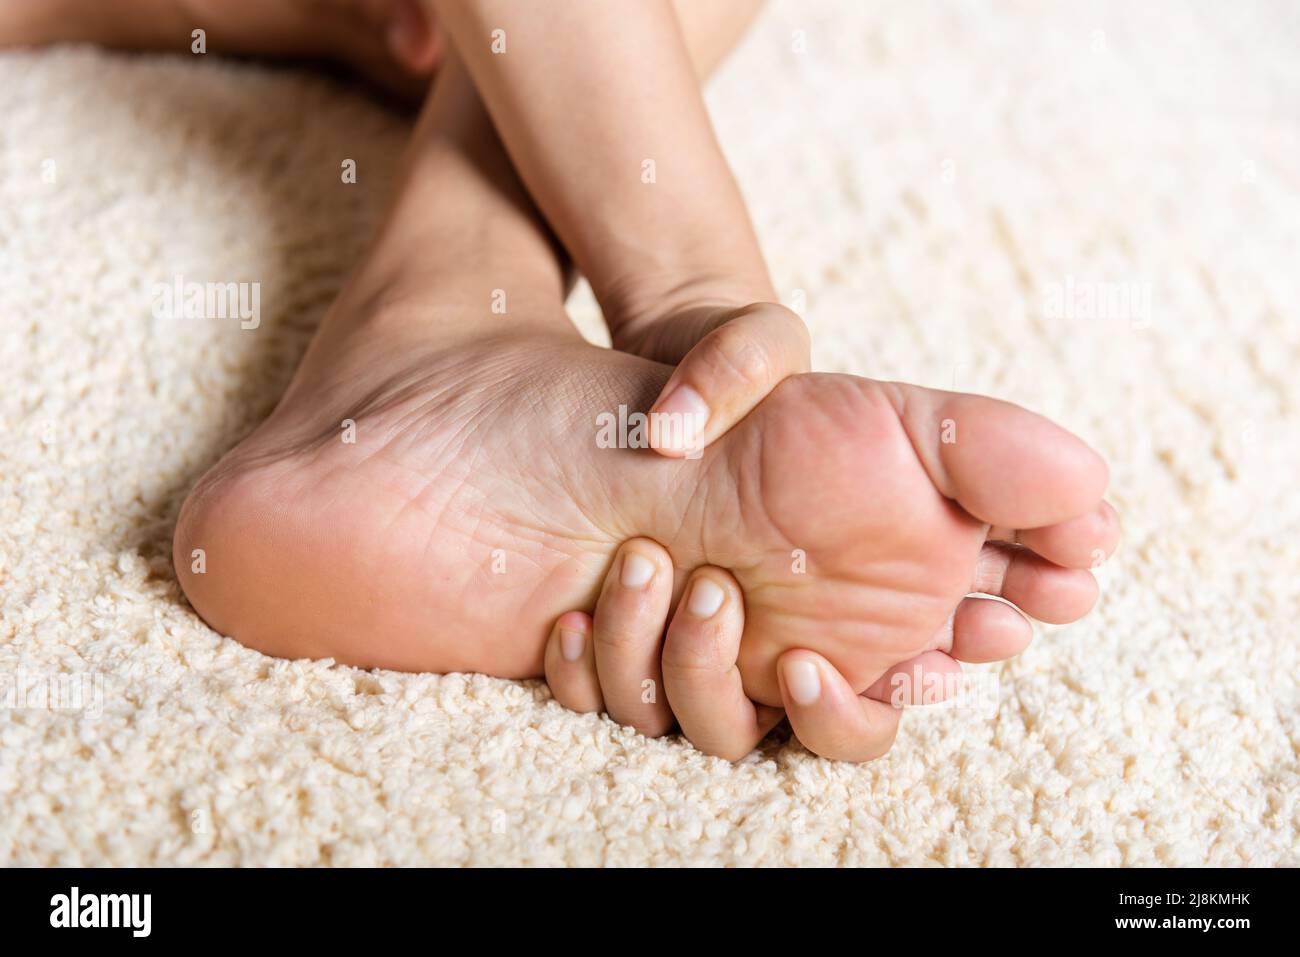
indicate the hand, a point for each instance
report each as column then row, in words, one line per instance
column 623, row 662
column 728, row 359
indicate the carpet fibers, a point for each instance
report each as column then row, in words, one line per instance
column 1093, row 210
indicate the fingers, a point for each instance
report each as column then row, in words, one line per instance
column 570, row 663
column 700, row 674
column 627, row 633
column 728, row 372
column 700, row 677
column 827, row 716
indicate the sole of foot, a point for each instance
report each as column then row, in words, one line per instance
column 435, row 508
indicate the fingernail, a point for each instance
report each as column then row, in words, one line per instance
column 571, row 644
column 689, row 414
column 637, row 570
column 803, row 682
column 706, row 598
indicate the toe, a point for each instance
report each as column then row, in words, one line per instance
column 929, row 678
column 1003, row 464
column 985, row 629
column 1039, row 588
column 1083, row 542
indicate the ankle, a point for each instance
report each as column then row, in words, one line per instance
column 443, row 288
column 447, row 313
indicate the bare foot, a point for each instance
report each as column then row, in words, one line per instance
column 430, row 494
column 434, row 503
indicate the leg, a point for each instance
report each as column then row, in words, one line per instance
column 631, row 620
column 649, row 209
column 357, row 33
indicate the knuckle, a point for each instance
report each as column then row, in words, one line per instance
column 783, row 324
column 739, row 356
column 619, row 639
column 692, row 651
column 791, row 324
column 630, row 619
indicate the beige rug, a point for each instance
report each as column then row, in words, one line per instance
column 1094, row 211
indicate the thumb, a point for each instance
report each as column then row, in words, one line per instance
column 725, row 374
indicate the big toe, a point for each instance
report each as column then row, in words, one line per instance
column 1003, row 464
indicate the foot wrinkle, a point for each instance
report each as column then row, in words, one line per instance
column 934, row 469
column 747, row 503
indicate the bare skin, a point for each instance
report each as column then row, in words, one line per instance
column 369, row 357
column 462, row 465
column 475, row 443
column 390, row 43
column 699, row 637
column 686, row 297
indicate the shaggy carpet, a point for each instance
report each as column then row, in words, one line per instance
column 1093, row 210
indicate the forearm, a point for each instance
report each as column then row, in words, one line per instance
column 599, row 107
